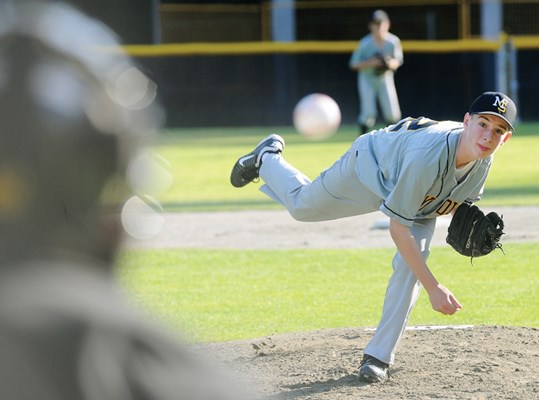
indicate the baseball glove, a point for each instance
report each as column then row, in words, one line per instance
column 474, row 234
column 384, row 66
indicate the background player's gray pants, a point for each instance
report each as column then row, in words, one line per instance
column 337, row 193
column 373, row 88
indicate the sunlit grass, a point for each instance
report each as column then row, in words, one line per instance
column 217, row 295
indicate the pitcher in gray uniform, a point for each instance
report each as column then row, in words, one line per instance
column 376, row 58
column 412, row 171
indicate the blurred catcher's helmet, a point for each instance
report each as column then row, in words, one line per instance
column 74, row 110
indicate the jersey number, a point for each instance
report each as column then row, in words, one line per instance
column 413, row 124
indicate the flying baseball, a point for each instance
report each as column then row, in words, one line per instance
column 317, row 116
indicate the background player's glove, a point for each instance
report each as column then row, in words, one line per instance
column 473, row 233
column 384, row 64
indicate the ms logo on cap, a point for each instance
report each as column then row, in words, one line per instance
column 501, row 104
column 495, row 103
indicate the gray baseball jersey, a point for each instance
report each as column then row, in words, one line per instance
column 416, row 178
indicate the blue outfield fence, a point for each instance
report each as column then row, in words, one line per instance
column 528, row 84
column 258, row 84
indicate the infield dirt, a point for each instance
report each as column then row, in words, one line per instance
column 479, row 363
column 277, row 230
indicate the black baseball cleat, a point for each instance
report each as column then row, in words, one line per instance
column 373, row 370
column 246, row 168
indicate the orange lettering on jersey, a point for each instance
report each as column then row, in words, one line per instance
column 428, row 199
column 447, row 207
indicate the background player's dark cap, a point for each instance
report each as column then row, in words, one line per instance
column 379, row 16
column 495, row 103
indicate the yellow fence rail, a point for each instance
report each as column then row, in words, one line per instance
column 446, row 46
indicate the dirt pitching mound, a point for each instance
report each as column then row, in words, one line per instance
column 464, row 362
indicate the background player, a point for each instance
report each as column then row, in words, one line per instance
column 376, row 58
column 412, row 171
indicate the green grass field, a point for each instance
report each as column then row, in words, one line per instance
column 201, row 160
column 218, row 295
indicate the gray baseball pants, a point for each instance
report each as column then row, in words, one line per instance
column 337, row 193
